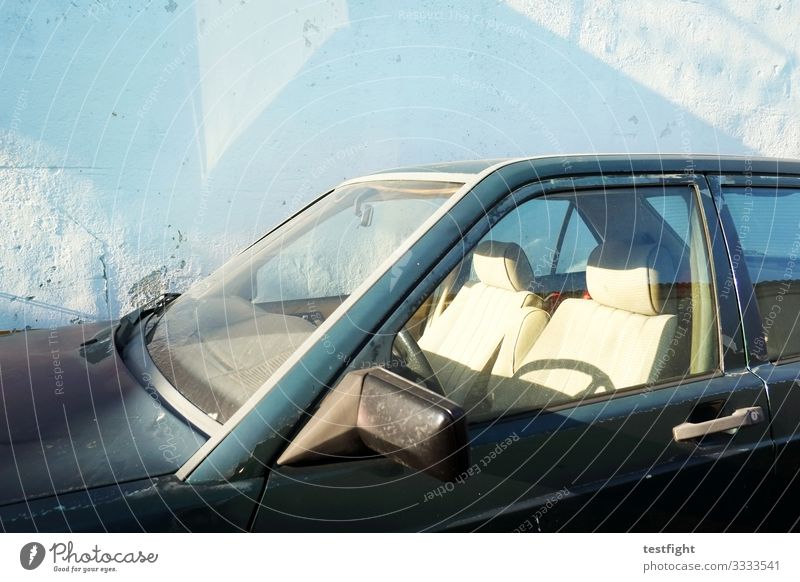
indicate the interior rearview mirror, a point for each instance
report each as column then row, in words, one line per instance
column 377, row 411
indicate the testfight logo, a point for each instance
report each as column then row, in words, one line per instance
column 31, row 555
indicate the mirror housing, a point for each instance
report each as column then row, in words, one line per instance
column 412, row 425
column 377, row 411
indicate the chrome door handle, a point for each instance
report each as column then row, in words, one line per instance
column 740, row 417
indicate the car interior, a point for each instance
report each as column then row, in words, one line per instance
column 498, row 336
column 568, row 297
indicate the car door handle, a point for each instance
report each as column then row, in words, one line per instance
column 740, row 417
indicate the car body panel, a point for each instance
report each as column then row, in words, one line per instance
column 73, row 417
column 163, row 504
column 608, row 466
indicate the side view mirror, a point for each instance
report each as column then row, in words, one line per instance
column 377, row 411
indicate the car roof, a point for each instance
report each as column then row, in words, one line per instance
column 454, row 167
column 560, row 165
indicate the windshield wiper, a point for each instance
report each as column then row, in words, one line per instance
column 129, row 322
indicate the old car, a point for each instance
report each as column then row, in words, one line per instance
column 563, row 343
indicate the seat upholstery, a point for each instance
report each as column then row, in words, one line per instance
column 498, row 308
column 619, row 338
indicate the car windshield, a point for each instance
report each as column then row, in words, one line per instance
column 220, row 341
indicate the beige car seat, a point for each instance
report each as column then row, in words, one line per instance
column 499, row 308
column 619, row 338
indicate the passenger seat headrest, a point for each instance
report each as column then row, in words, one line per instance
column 503, row 265
column 632, row 277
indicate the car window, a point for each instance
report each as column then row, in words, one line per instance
column 501, row 342
column 222, row 339
column 674, row 209
column 330, row 261
column 577, row 244
column 536, row 227
column 767, row 221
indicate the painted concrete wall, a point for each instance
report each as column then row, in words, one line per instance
column 141, row 143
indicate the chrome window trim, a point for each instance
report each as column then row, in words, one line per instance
column 416, row 176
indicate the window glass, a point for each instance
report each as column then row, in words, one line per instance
column 222, row 339
column 535, row 227
column 330, row 259
column 498, row 343
column 675, row 212
column 768, row 224
column 578, row 243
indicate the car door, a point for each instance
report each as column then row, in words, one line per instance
column 761, row 218
column 607, row 461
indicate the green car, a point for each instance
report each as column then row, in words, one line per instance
column 578, row 343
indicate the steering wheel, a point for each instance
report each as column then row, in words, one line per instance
column 599, row 379
column 416, row 361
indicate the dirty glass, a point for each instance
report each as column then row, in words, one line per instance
column 220, row 341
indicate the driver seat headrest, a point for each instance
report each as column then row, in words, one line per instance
column 503, row 265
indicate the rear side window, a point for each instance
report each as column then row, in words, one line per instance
column 552, row 231
column 536, row 227
column 674, row 210
column 577, row 245
column 768, row 224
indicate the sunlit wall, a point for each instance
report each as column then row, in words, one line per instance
column 141, row 143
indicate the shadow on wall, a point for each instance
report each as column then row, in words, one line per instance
column 251, row 112
column 428, row 85
column 401, row 86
